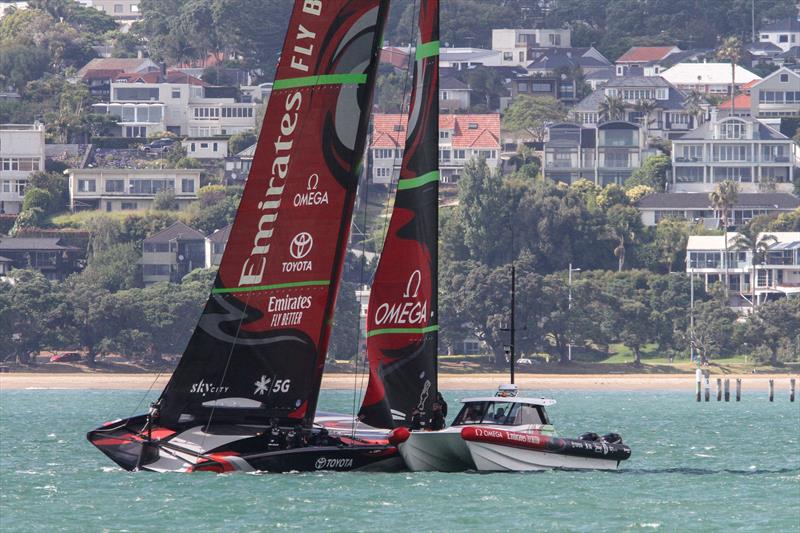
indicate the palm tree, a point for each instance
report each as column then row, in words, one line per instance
column 750, row 240
column 646, row 108
column 693, row 104
column 722, row 200
column 731, row 49
column 612, row 108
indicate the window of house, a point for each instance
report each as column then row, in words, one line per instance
column 705, row 259
column 731, row 152
column 444, row 134
column 459, row 154
column 522, row 56
column 784, row 78
column 783, row 38
column 541, row 87
column 176, row 92
column 87, row 185
column 383, row 172
column 555, row 39
column 444, row 155
column 136, row 132
column 522, row 86
column 487, row 154
column 5, row 185
column 129, row 206
column 473, row 125
column 192, row 147
column 187, row 185
column 689, row 174
column 156, row 247
column 443, row 95
column 383, row 153
column 134, row 8
column 215, row 148
column 119, row 8
column 203, row 145
column 732, row 129
column 115, row 185
column 508, row 56
column 19, row 186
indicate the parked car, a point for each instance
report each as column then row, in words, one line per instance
column 66, row 357
column 158, row 145
column 525, row 361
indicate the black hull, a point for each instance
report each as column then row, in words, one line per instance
column 191, row 449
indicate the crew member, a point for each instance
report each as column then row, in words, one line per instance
column 440, row 399
column 437, row 417
column 418, row 419
column 294, row 437
column 322, row 438
column 275, row 437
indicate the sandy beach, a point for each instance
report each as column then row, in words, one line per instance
column 528, row 382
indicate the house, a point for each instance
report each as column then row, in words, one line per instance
column 21, row 154
column 563, row 89
column 172, row 253
column 215, row 246
column 696, row 207
column 124, row 189
column 398, row 57
column 604, row 154
column 550, row 61
column 777, row 275
column 515, row 44
column 467, row 58
column 707, row 78
column 742, row 149
column 206, row 147
column 646, row 58
column 101, row 71
column 149, row 103
column 461, row 138
column 237, row 167
column 776, row 96
column 124, row 11
column 47, row 255
column 454, row 94
column 784, row 33
column 762, row 53
column 670, row 118
column 739, row 108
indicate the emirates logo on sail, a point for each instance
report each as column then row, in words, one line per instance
column 410, row 311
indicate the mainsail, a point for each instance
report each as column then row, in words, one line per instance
column 402, row 312
column 259, row 349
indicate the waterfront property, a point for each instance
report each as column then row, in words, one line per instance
column 172, row 253
column 697, row 208
column 741, row 149
column 109, row 189
column 776, row 274
column 50, row 256
column 21, row 154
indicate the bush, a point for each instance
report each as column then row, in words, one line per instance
column 119, row 143
column 165, row 200
column 37, row 198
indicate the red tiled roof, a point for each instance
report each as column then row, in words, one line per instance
column 484, row 133
column 397, row 57
column 749, row 85
column 121, row 64
column 173, row 76
column 637, row 54
column 742, row 101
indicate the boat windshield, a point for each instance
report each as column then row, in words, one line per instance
column 500, row 413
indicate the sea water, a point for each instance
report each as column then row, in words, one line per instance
column 695, row 467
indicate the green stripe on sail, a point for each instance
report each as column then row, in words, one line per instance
column 419, row 181
column 322, row 79
column 407, row 331
column 318, row 283
column 427, row 50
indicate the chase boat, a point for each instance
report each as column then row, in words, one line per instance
column 506, row 433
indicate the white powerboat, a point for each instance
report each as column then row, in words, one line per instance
column 506, row 433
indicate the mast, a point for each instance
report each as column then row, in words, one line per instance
column 402, row 316
column 259, row 348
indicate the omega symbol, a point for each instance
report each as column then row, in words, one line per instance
column 313, row 182
column 413, row 282
column 301, row 245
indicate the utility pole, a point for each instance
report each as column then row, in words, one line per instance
column 753, row 19
column 569, row 308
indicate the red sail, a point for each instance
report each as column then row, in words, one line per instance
column 402, row 313
column 260, row 346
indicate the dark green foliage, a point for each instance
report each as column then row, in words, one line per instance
column 652, row 173
column 240, row 141
column 115, row 267
column 20, row 63
column 165, row 200
column 346, row 323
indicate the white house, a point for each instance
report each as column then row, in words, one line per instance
column 707, row 78
column 776, row 96
column 696, row 207
column 782, row 33
column 466, row 58
column 454, row 94
column 21, row 154
column 206, row 147
column 515, row 44
column 110, row 189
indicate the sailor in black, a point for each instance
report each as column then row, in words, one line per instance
column 418, row 419
column 437, row 417
column 440, row 399
column 275, row 437
column 294, row 438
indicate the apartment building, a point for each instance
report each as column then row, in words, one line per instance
column 110, row 190
column 21, row 154
column 172, row 253
column 742, row 149
column 776, row 274
column 515, row 44
column 461, row 139
column 604, row 154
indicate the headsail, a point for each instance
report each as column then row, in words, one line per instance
column 259, row 348
column 402, row 314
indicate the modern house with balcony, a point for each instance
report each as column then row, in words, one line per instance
column 47, row 255
column 776, row 96
column 563, row 89
column 21, row 154
column 516, row 45
column 605, row 154
column 110, row 189
column 741, row 149
column 172, row 253
column 461, row 139
column 697, row 208
column 669, row 119
column 776, row 275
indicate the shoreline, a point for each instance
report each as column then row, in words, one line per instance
column 527, row 382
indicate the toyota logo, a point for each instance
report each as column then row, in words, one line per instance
column 301, row 245
column 320, row 463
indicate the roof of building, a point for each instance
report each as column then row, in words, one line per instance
column 786, row 240
column 706, row 74
column 675, row 99
column 684, row 55
column 788, row 24
column 793, row 52
column 782, row 70
column 5, row 260
column 697, row 200
column 116, row 64
column 638, row 81
column 469, row 131
column 250, row 151
column 465, row 54
column 221, row 235
column 20, row 244
column 764, row 46
column 704, row 131
column 178, row 230
column 606, row 73
column 742, row 101
column 641, row 54
column 451, row 83
column 173, row 76
column 397, row 57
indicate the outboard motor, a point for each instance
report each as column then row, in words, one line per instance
column 612, row 438
column 591, row 437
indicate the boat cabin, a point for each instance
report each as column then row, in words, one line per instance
column 503, row 411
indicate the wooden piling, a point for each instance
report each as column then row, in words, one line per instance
column 727, row 389
column 708, row 388
column 791, row 389
column 698, row 379
column 719, row 389
column 772, row 390
column 738, row 389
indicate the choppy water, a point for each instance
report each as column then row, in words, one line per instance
column 695, row 467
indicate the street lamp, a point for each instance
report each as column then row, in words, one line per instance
column 569, row 307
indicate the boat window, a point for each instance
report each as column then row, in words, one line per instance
column 472, row 413
column 497, row 413
column 522, row 414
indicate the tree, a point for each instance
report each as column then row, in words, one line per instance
column 646, row 108
column 731, row 49
column 345, row 331
column 32, row 318
column 693, row 103
column 750, row 239
column 165, row 200
column 240, row 141
column 723, row 199
column 624, row 223
column 653, row 173
column 533, row 114
column 634, row 326
column 114, row 268
column 638, row 192
column 775, row 325
column 672, row 234
column 21, row 63
column 714, row 327
column 612, row 195
column 611, row 108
